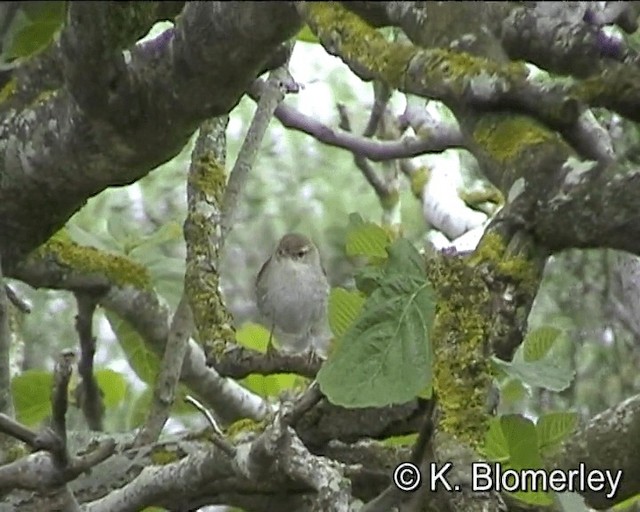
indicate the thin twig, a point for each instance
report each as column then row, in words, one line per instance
column 60, row 402
column 369, row 173
column 22, row 305
column 88, row 393
column 392, row 495
column 164, row 389
column 17, row 430
column 6, row 402
column 310, row 397
column 440, row 138
column 278, row 84
column 218, row 436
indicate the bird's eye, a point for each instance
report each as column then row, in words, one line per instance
column 301, row 253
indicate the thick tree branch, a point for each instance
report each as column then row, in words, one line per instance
column 197, row 70
column 141, row 309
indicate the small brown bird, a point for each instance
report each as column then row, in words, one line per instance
column 292, row 293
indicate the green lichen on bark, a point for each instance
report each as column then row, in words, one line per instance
column 206, row 187
column 463, row 330
column 510, row 146
column 8, row 90
column 462, row 373
column 505, row 137
column 166, row 454
column 119, row 270
column 356, row 41
column 437, row 72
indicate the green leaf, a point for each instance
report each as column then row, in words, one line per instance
column 256, row 337
column 522, row 441
column 512, row 391
column 168, row 232
column 406, row 440
column 495, row 444
column 552, row 374
column 113, row 385
column 253, row 336
column 270, row 385
column 306, row 35
column 34, row 30
column 140, row 409
column 538, row 498
column 404, row 259
column 538, row 342
column 31, row 391
column 368, row 279
column 385, row 356
column 142, row 361
column 554, row 427
column 344, row 307
column 366, row 239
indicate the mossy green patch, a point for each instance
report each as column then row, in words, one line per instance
column 504, row 137
column 118, row 269
column 462, row 372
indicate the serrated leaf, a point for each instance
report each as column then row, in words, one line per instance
column 344, row 308
column 385, row 356
column 368, row 279
column 522, row 441
column 537, row 343
column 31, row 392
column 367, row 239
column 554, row 427
column 113, row 385
column 142, row 361
column 404, row 259
column 495, row 444
column 547, row 374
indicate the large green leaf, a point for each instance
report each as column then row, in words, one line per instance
column 32, row 396
column 522, row 442
column 142, row 360
column 385, row 356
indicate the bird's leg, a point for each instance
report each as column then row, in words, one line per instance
column 271, row 350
